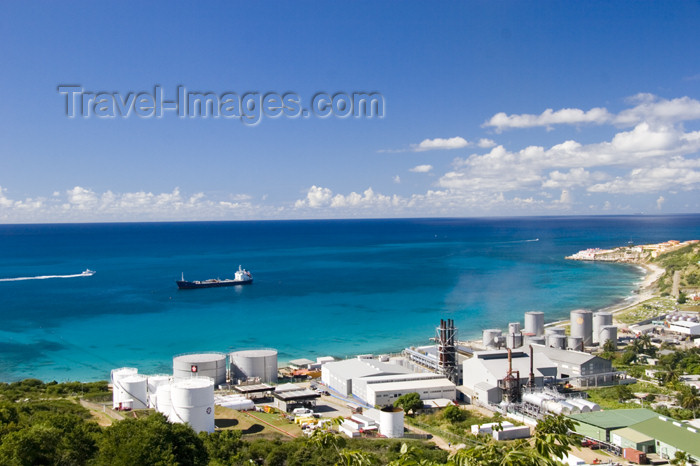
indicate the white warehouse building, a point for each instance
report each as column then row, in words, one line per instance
column 340, row 375
column 383, row 390
column 685, row 327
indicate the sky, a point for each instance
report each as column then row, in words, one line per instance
column 487, row 109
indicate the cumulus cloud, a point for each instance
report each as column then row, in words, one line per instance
column 486, row 143
column 649, row 108
column 421, row 169
column 660, row 202
column 548, row 118
column 80, row 204
column 440, row 144
column 397, row 179
column 316, row 196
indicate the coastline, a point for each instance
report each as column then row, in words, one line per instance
column 644, row 291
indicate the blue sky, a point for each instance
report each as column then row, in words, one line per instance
column 491, row 108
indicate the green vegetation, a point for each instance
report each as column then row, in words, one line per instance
column 410, row 402
column 37, row 429
column 686, row 261
column 646, row 310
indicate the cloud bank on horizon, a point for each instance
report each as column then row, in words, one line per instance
column 650, row 153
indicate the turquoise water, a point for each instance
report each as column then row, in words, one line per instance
column 321, row 287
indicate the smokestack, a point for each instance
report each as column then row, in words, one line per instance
column 532, row 368
column 510, row 361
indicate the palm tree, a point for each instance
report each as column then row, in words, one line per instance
column 689, row 398
column 681, row 458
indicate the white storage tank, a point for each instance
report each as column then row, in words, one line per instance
column 600, row 320
column 583, row 407
column 556, row 341
column 164, row 403
column 391, row 422
column 514, row 340
column 534, row 322
column 609, row 332
column 260, row 363
column 155, row 381
column 582, row 325
column 536, row 341
column 489, row 337
column 210, row 364
column 193, row 403
column 514, row 327
column 135, row 389
column 116, row 376
column 554, row 331
column 574, row 343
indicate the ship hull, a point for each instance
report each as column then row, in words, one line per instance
column 185, row 285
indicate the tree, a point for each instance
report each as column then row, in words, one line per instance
column 454, row 414
column 552, row 439
column 623, row 393
column 152, row 440
column 681, row 458
column 682, row 298
column 689, row 398
column 222, row 446
column 410, row 402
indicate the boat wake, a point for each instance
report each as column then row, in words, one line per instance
column 86, row 273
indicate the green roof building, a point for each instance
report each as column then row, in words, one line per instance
column 598, row 425
column 670, row 436
column 630, row 438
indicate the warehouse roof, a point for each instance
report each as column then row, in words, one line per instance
column 496, row 362
column 411, row 385
column 355, row 368
column 615, row 418
column 672, row 433
column 564, row 356
column 631, row 434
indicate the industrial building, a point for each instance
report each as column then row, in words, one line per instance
column 599, row 425
column 662, row 436
column 485, row 374
column 289, row 397
column 340, row 375
column 684, row 327
column 384, row 390
column 260, row 364
column 582, row 325
column 581, row 369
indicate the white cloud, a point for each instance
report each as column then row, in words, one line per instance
column 421, row 169
column 486, row 143
column 397, row 179
column 549, row 117
column 316, row 196
column 81, row 204
column 440, row 144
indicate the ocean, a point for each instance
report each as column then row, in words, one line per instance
column 322, row 287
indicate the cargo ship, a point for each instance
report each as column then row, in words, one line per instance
column 242, row 277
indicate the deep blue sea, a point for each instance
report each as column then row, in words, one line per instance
column 330, row 287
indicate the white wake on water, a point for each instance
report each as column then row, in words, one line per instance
column 87, row 273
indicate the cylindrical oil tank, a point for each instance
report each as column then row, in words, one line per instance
column 537, row 341
column 489, row 336
column 554, row 331
column 534, row 399
column 582, row 325
column 155, row 381
column 193, row 403
column 514, row 340
column 556, row 341
column 211, row 365
column 164, row 403
column 135, row 389
column 574, row 343
column 260, row 363
column 116, row 376
column 534, row 322
column 514, row 327
column 526, row 337
column 600, row 320
column 391, row 422
column 609, row 332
